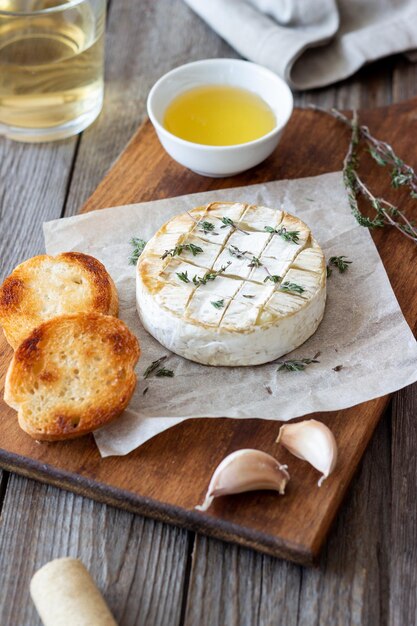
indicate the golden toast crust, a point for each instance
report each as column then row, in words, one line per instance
column 45, row 286
column 72, row 375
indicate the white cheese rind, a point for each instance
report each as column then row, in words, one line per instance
column 243, row 331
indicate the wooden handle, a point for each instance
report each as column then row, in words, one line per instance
column 65, row 595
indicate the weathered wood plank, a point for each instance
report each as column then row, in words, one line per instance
column 403, row 542
column 33, row 186
column 136, row 563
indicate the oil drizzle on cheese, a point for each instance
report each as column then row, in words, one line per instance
column 219, row 115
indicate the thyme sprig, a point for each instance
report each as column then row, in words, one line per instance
column 255, row 262
column 274, row 278
column 341, row 262
column 156, row 369
column 239, row 254
column 296, row 365
column 402, row 175
column 288, row 235
column 218, row 304
column 138, row 246
column 205, row 226
column 289, row 287
column 183, row 276
column 226, row 221
column 210, row 275
column 191, row 247
column 164, row 373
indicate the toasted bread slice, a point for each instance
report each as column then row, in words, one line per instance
column 46, row 286
column 73, row 374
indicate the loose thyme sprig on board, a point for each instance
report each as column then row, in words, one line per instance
column 138, row 246
column 402, row 175
column 155, row 369
column 341, row 262
column 296, row 365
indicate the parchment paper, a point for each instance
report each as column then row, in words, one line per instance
column 363, row 328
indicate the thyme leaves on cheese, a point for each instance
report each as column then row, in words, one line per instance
column 202, row 280
column 226, row 221
column 296, row 365
column 183, row 276
column 138, row 246
column 247, row 295
column 218, row 304
column 203, row 225
column 341, row 262
column 288, row 235
column 274, row 278
column 255, row 262
column 290, row 287
column 179, row 249
column 239, row 254
column 207, row 227
column 210, row 275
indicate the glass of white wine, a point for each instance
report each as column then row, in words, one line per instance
column 51, row 67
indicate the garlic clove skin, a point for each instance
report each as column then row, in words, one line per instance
column 245, row 470
column 313, row 442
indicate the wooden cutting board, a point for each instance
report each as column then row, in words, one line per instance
column 168, row 475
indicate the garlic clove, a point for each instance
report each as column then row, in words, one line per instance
column 311, row 441
column 245, row 470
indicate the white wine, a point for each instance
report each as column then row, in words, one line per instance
column 51, row 74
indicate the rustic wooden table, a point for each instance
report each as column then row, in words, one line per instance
column 153, row 574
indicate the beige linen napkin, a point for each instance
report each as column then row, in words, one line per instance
column 311, row 43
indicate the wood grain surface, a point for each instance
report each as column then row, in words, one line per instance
column 367, row 571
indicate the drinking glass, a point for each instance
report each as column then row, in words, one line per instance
column 51, row 67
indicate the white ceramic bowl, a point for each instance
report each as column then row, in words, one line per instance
column 218, row 161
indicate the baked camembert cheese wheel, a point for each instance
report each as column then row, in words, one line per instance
column 232, row 284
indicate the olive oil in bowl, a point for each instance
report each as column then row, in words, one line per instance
column 219, row 115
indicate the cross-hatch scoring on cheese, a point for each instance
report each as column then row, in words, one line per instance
column 262, row 263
